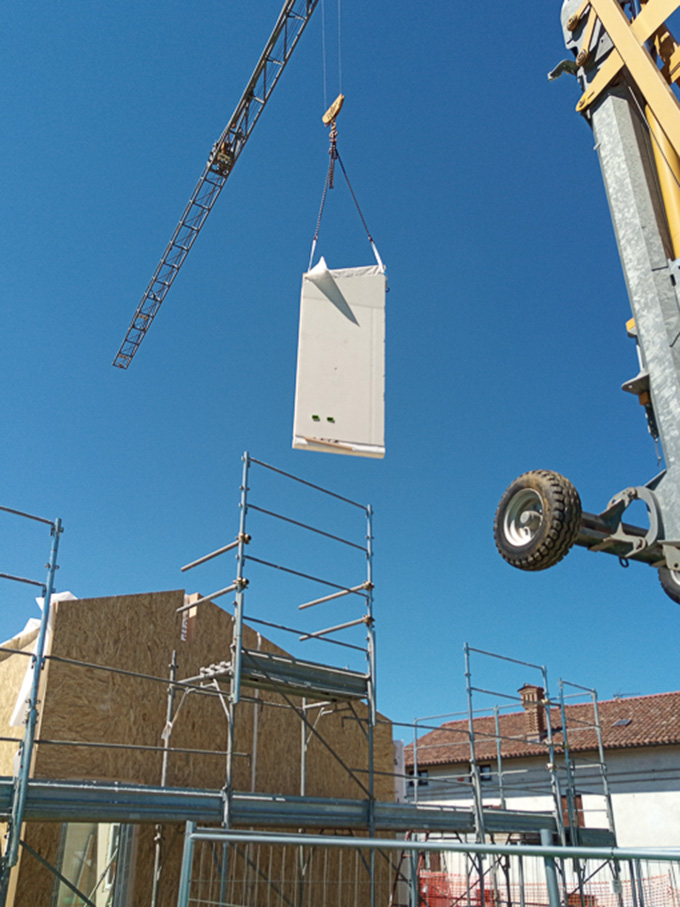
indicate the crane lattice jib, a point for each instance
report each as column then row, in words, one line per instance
column 281, row 44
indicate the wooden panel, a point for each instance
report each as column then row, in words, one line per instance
column 33, row 881
column 138, row 633
column 12, row 672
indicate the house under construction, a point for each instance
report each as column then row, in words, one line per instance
column 180, row 756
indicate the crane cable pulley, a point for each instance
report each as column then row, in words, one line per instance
column 329, row 119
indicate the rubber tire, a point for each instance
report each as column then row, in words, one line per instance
column 558, row 526
column 670, row 583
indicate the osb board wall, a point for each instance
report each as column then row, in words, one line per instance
column 344, row 730
column 32, row 882
column 12, row 672
column 138, row 633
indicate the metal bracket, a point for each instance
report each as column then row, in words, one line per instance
column 638, row 385
column 671, row 551
column 629, row 53
column 674, row 271
column 613, row 515
column 563, row 66
column 585, row 36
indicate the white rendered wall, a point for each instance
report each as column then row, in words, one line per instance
column 644, row 785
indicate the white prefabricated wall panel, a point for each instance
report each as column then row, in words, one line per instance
column 340, row 387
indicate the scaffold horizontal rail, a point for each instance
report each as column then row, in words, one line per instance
column 604, row 853
column 305, row 678
column 22, row 579
column 88, row 801
column 208, row 598
column 316, row 634
column 283, row 673
column 216, row 553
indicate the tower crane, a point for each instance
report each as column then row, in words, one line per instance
column 289, row 27
column 627, row 63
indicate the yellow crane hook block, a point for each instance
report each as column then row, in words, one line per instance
column 340, row 386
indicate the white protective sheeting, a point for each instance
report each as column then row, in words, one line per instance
column 340, row 388
column 20, row 712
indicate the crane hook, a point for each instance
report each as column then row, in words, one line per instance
column 329, row 119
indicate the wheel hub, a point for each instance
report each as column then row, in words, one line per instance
column 523, row 517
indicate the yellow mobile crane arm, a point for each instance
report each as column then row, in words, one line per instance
column 632, row 42
column 627, row 63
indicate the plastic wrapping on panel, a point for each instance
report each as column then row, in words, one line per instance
column 340, row 387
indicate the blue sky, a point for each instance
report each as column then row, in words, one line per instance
column 506, row 342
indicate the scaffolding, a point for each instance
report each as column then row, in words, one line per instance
column 309, row 689
column 23, row 761
column 567, row 773
column 319, row 684
column 359, row 848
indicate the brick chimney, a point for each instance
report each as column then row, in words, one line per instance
column 532, row 703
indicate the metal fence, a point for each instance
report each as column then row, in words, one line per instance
column 248, row 869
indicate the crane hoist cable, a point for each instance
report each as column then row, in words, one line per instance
column 324, row 55
column 329, row 119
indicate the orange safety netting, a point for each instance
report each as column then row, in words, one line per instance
column 441, row 889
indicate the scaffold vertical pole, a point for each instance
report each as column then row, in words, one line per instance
column 603, row 765
column 25, row 753
column 574, row 834
column 520, row 875
column 607, row 793
column 571, row 810
column 158, row 843
column 372, row 709
column 474, row 777
column 550, row 870
column 640, row 889
column 187, row 859
column 415, row 885
column 554, row 779
column 633, row 891
column 237, row 641
column 415, row 760
column 499, row 756
column 474, row 768
column 240, row 585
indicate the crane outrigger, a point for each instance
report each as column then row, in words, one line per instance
column 627, row 65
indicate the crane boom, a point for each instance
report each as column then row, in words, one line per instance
column 289, row 27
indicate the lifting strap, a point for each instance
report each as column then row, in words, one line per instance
column 329, row 184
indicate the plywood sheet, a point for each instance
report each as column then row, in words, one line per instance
column 82, row 705
column 138, row 633
column 12, row 672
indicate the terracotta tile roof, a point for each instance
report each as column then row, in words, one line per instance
column 632, row 722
